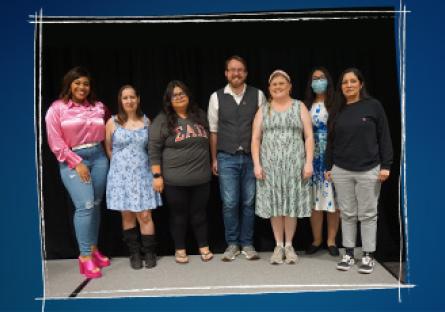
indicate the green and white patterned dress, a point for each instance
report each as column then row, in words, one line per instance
column 283, row 192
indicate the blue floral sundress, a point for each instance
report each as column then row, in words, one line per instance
column 129, row 183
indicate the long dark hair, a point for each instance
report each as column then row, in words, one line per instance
column 122, row 116
column 310, row 94
column 70, row 76
column 340, row 100
column 193, row 112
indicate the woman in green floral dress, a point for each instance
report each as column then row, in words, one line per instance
column 282, row 152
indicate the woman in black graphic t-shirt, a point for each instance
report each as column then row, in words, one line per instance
column 179, row 152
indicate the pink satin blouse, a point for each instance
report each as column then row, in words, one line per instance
column 71, row 124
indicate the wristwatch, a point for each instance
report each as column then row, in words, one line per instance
column 157, row 175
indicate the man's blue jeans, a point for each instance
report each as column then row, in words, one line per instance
column 237, row 185
column 87, row 197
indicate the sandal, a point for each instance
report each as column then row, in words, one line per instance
column 206, row 256
column 181, row 257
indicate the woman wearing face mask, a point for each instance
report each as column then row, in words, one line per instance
column 129, row 184
column 282, row 153
column 319, row 98
column 75, row 125
column 358, row 159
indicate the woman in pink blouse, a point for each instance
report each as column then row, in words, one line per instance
column 75, row 125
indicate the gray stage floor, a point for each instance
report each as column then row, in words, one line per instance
column 311, row 273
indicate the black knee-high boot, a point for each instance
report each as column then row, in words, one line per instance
column 149, row 250
column 131, row 238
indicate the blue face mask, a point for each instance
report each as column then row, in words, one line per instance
column 319, row 85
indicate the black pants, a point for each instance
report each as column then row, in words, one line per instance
column 187, row 202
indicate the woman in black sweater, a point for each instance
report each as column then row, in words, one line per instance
column 358, row 159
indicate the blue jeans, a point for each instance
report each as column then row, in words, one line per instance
column 237, row 186
column 87, row 197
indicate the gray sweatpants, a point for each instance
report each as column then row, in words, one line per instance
column 357, row 197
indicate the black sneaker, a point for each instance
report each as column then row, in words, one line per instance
column 345, row 263
column 367, row 265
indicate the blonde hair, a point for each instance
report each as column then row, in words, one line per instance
column 277, row 72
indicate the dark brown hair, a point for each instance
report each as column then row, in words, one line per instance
column 237, row 58
column 310, row 94
column 340, row 100
column 122, row 116
column 70, row 76
column 193, row 112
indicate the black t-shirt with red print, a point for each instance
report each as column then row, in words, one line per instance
column 183, row 155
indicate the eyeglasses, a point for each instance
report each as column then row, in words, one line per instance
column 179, row 95
column 318, row 78
column 235, row 70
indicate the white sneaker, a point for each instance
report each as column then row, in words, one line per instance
column 230, row 254
column 290, row 255
column 250, row 253
column 367, row 265
column 345, row 263
column 277, row 256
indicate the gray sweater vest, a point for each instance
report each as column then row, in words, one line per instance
column 235, row 121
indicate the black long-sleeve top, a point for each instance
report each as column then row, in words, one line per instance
column 361, row 139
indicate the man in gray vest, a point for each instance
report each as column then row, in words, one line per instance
column 231, row 113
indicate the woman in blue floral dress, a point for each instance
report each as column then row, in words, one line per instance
column 129, row 183
column 319, row 97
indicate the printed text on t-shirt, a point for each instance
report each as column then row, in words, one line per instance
column 190, row 132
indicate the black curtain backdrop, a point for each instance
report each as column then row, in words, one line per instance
column 149, row 55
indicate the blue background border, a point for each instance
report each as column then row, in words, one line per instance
column 20, row 266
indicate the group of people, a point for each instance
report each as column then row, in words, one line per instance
column 276, row 157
